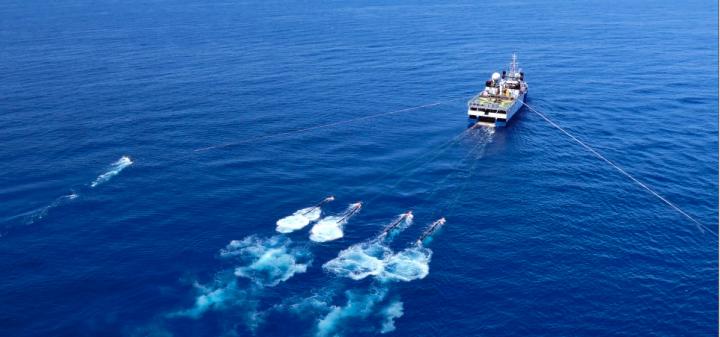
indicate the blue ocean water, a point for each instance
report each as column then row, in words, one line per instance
column 542, row 238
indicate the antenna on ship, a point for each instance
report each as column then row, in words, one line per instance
column 513, row 65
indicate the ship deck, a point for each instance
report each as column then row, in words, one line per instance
column 496, row 103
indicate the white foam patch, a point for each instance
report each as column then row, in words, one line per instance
column 392, row 312
column 331, row 227
column 267, row 262
column 328, row 229
column 115, row 169
column 318, row 302
column 298, row 220
column 359, row 305
column 358, row 313
column 363, row 311
column 359, row 261
column 374, row 259
column 226, row 298
column 212, row 298
column 407, row 265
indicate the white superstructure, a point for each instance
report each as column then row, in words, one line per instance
column 503, row 96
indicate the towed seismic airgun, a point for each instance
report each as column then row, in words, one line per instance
column 354, row 208
column 434, row 227
column 318, row 205
column 407, row 216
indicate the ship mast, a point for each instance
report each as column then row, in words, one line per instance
column 513, row 65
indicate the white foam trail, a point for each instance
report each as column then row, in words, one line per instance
column 114, row 169
column 331, row 227
column 298, row 220
column 40, row 213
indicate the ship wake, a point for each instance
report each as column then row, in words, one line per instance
column 114, row 169
column 38, row 214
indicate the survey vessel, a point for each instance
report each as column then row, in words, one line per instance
column 502, row 98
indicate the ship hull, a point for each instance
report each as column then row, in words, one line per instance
column 499, row 118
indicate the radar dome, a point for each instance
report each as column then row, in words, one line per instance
column 495, row 76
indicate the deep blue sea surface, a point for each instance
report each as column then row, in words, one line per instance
column 542, row 238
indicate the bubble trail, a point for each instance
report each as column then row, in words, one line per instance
column 38, row 214
column 301, row 217
column 331, row 228
column 115, row 169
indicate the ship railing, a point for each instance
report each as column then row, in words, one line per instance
column 484, row 106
